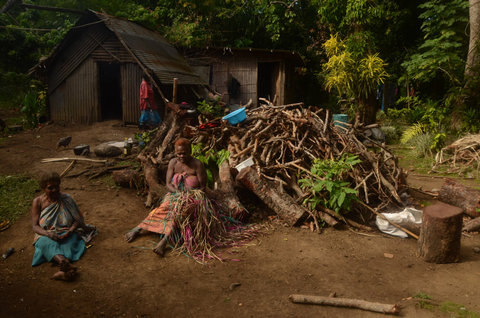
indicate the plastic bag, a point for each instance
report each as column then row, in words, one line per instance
column 407, row 218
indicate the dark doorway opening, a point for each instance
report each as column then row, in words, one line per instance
column 267, row 76
column 110, row 91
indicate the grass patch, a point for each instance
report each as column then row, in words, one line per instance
column 409, row 159
column 16, row 195
column 458, row 310
column 133, row 163
column 453, row 309
column 421, row 295
column 108, row 181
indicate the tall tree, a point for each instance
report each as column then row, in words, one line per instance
column 472, row 66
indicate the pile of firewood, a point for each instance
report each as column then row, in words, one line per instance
column 283, row 141
column 464, row 152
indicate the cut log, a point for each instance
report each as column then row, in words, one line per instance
column 472, row 225
column 440, row 235
column 461, row 196
column 128, row 178
column 233, row 204
column 282, row 204
column 155, row 190
column 345, row 302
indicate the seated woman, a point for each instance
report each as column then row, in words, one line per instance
column 57, row 222
column 184, row 173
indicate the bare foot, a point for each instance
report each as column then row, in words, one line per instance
column 132, row 235
column 66, row 267
column 160, row 248
column 66, row 276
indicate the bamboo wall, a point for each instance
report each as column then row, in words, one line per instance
column 76, row 100
column 245, row 70
column 131, row 78
column 74, row 54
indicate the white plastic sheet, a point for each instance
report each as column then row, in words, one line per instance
column 406, row 218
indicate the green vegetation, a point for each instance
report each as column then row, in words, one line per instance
column 33, row 106
column 409, row 159
column 458, row 310
column 348, row 48
column 210, row 109
column 16, row 195
column 145, row 137
column 326, row 184
column 211, row 159
column 453, row 309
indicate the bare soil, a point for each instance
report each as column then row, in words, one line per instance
column 128, row 280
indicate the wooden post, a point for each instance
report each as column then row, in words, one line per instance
column 440, row 235
column 175, row 89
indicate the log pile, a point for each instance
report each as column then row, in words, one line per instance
column 464, row 152
column 283, row 142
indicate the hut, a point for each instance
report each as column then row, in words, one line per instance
column 95, row 72
column 245, row 74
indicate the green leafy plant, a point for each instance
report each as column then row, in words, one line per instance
column 210, row 109
column 33, row 106
column 440, row 54
column 16, row 194
column 146, row 136
column 326, row 185
column 392, row 135
column 438, row 142
column 211, row 159
column 411, row 132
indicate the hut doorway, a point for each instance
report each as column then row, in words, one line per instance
column 267, row 78
column 110, row 90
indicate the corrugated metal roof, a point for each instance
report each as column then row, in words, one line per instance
column 153, row 51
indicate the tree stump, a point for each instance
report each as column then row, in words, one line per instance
column 440, row 235
column 128, row 178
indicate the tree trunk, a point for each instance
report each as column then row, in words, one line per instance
column 282, row 204
column 368, row 109
column 461, row 196
column 440, row 235
column 473, row 57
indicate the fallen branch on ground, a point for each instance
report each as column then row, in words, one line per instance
column 70, row 159
column 345, row 302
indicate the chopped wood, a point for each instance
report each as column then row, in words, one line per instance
column 284, row 141
column 232, row 203
column 345, row 302
column 472, row 225
column 282, row 204
column 461, row 196
column 128, row 178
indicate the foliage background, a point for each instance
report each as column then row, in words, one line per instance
column 422, row 43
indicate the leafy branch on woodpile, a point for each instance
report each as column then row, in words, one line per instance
column 326, row 185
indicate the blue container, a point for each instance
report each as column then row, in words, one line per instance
column 340, row 120
column 236, row 117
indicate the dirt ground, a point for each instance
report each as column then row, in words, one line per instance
column 128, row 280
